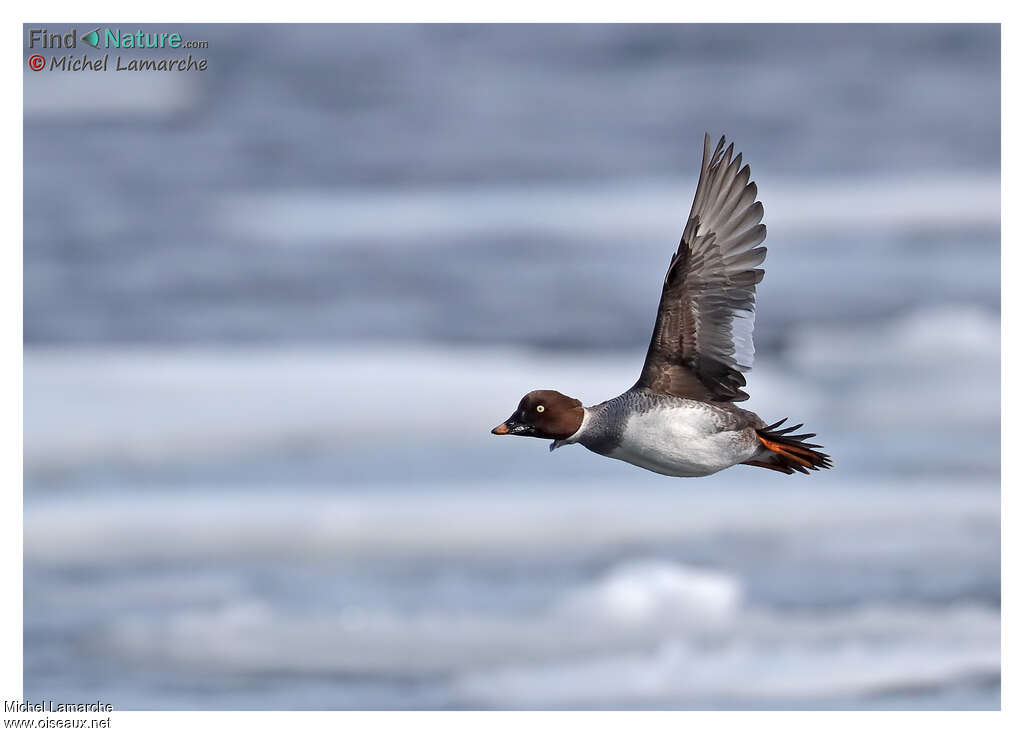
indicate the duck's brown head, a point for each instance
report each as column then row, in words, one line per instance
column 544, row 414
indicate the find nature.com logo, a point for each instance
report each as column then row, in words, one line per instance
column 111, row 38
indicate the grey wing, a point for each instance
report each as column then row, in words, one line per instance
column 703, row 334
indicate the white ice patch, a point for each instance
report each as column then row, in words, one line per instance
column 652, row 591
column 644, row 633
column 924, row 337
column 86, row 405
column 115, row 529
column 249, row 635
column 639, row 212
column 925, row 369
column 776, row 659
column 108, row 96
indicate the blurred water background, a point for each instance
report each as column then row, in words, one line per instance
column 273, row 309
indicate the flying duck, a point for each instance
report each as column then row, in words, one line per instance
column 680, row 418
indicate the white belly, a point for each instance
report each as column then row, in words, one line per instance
column 682, row 442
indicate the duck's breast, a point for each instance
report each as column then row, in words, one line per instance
column 683, row 439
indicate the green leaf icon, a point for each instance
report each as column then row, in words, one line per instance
column 92, row 38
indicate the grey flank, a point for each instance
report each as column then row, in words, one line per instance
column 608, row 420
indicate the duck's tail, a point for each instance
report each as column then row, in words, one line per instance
column 785, row 452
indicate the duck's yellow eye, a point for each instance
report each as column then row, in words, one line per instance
column 540, row 408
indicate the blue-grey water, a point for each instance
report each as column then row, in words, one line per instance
column 272, row 310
